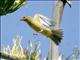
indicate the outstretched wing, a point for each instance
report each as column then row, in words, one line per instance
column 45, row 22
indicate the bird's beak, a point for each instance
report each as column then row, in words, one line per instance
column 23, row 19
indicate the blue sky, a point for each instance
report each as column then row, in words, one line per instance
column 12, row 26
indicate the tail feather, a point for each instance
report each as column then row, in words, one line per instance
column 57, row 36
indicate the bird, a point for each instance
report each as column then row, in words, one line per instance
column 46, row 26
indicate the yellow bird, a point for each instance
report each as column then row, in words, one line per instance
column 48, row 27
column 40, row 26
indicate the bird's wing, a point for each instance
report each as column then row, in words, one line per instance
column 58, row 11
column 45, row 22
column 42, row 20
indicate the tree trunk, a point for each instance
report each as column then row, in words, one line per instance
column 53, row 51
column 57, row 15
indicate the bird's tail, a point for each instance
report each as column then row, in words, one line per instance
column 57, row 36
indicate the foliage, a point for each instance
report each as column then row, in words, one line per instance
column 32, row 52
column 9, row 6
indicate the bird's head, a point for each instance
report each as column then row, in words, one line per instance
column 27, row 19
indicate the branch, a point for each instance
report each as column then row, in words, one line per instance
column 8, row 57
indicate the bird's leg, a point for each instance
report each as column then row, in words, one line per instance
column 41, row 30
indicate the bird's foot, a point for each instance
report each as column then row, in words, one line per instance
column 41, row 30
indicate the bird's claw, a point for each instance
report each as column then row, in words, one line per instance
column 41, row 30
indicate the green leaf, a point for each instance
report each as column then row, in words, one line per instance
column 9, row 6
